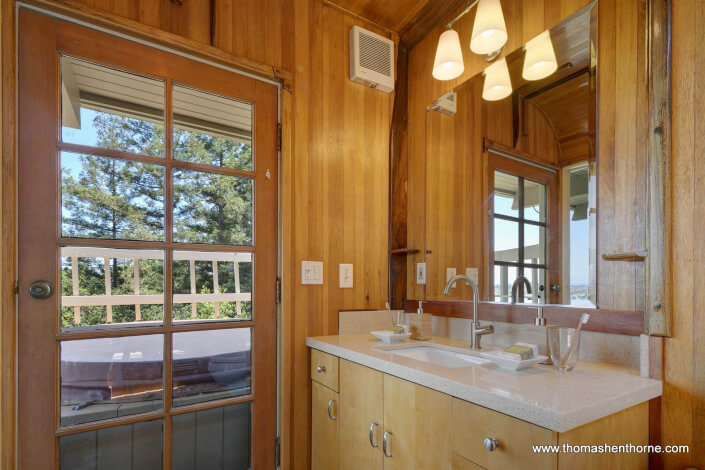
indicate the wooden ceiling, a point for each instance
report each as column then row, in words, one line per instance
column 391, row 14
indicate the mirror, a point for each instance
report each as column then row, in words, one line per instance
column 511, row 184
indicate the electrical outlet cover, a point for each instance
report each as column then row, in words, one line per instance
column 420, row 273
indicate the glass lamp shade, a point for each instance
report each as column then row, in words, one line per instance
column 489, row 33
column 540, row 58
column 449, row 57
column 497, row 85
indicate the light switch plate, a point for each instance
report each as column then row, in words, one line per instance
column 420, row 273
column 450, row 272
column 312, row 272
column 345, row 276
column 472, row 274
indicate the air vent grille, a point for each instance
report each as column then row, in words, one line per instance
column 375, row 54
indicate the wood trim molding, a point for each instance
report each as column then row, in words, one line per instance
column 658, row 282
column 8, row 268
column 163, row 38
column 601, row 321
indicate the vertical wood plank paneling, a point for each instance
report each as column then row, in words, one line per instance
column 682, row 416
column 339, row 182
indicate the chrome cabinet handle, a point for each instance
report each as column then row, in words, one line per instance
column 372, row 434
column 330, row 404
column 321, row 369
column 385, row 438
column 491, row 444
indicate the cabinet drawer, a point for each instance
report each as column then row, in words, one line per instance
column 472, row 424
column 460, row 463
column 324, row 369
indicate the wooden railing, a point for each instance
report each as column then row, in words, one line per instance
column 76, row 301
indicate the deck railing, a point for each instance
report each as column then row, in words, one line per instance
column 76, row 301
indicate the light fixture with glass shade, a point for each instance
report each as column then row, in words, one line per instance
column 540, row 58
column 489, row 33
column 497, row 85
column 449, row 57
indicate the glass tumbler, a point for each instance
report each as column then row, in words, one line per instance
column 564, row 345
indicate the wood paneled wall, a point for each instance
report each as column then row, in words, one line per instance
column 339, row 189
column 524, row 19
column 684, row 371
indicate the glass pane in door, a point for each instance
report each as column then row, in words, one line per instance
column 108, row 378
column 111, row 109
column 212, row 130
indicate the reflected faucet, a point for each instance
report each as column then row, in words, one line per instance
column 515, row 287
column 476, row 329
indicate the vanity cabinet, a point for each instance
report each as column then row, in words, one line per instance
column 360, row 408
column 388, row 423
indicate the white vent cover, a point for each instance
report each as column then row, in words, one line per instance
column 446, row 104
column 371, row 59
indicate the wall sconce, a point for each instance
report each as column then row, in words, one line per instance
column 489, row 35
column 497, row 85
column 449, row 57
column 540, row 59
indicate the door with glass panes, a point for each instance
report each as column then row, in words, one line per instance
column 147, row 256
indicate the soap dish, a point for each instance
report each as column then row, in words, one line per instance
column 389, row 337
column 512, row 364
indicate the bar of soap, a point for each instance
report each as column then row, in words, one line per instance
column 397, row 329
column 521, row 352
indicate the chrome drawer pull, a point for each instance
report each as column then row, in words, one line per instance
column 330, row 404
column 321, row 369
column 491, row 444
column 372, row 434
column 385, row 438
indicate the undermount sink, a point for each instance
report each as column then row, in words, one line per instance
column 441, row 357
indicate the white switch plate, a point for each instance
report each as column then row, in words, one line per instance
column 472, row 274
column 420, row 273
column 312, row 272
column 450, row 272
column 346, row 276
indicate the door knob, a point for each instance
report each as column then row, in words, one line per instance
column 41, row 289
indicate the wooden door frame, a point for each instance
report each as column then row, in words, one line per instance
column 496, row 161
column 8, row 269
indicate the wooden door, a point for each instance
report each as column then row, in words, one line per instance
column 417, row 420
column 147, row 255
column 361, row 417
column 325, row 406
column 523, row 229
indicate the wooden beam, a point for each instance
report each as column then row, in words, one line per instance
column 658, row 305
column 430, row 16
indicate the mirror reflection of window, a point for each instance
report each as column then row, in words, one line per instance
column 578, row 273
column 519, row 237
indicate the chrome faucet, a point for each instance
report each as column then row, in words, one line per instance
column 477, row 331
column 515, row 287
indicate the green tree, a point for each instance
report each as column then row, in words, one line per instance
column 111, row 198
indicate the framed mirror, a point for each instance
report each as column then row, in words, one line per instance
column 511, row 192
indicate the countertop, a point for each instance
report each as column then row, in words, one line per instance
column 559, row 401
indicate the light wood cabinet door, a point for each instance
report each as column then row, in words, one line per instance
column 417, row 420
column 460, row 463
column 361, row 398
column 472, row 424
column 325, row 407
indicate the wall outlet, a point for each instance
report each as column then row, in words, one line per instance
column 420, row 273
column 345, row 275
column 472, row 274
column 312, row 272
column 450, row 272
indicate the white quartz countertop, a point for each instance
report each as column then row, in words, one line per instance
column 559, row 401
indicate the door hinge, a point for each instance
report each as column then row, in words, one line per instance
column 279, row 137
column 279, row 290
column 16, row 287
column 277, row 452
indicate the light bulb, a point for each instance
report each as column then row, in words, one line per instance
column 449, row 57
column 497, row 85
column 489, row 33
column 540, row 58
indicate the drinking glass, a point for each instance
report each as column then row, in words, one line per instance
column 564, row 345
